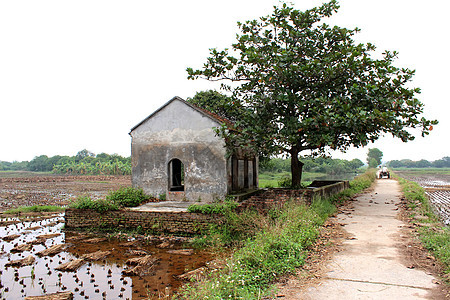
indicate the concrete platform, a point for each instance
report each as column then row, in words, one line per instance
column 164, row 206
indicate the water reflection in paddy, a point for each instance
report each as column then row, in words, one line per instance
column 93, row 280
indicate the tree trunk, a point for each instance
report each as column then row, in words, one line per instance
column 296, row 170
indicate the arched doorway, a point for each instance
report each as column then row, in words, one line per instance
column 176, row 175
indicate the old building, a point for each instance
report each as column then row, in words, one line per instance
column 175, row 152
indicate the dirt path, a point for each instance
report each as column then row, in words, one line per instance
column 371, row 263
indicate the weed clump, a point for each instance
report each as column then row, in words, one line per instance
column 285, row 181
column 363, row 181
column 128, row 197
column 219, row 207
column 123, row 197
column 99, row 205
column 235, row 229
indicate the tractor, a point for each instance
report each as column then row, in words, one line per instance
column 383, row 172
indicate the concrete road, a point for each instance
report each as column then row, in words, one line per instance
column 370, row 265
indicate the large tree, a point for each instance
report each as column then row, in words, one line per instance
column 374, row 154
column 311, row 87
column 218, row 103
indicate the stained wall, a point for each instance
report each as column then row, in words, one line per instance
column 177, row 131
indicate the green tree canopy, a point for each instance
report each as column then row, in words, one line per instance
column 311, row 87
column 423, row 163
column 219, row 104
column 372, row 162
column 376, row 154
column 40, row 164
column 356, row 163
column 395, row 164
column 83, row 154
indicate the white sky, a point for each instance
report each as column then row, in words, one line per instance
column 80, row 74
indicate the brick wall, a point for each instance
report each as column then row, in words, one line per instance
column 272, row 198
column 167, row 222
column 277, row 197
column 194, row 223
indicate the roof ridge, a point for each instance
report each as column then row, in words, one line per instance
column 212, row 114
column 203, row 111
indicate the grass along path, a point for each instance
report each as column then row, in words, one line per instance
column 279, row 246
column 434, row 235
column 372, row 263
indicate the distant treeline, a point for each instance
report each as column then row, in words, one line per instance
column 84, row 162
column 319, row 165
column 407, row 163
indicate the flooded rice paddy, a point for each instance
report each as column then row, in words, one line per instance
column 98, row 266
column 101, row 279
column 437, row 188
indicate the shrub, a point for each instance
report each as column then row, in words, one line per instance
column 235, row 228
column 127, row 197
column 285, row 181
column 99, row 205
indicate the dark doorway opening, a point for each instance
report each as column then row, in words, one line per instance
column 176, row 175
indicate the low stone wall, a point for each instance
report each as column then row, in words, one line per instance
column 164, row 222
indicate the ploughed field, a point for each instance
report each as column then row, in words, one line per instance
column 437, row 188
column 38, row 257
column 26, row 189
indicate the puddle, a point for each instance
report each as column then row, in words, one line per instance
column 101, row 279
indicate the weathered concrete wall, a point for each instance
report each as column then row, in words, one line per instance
column 178, row 131
column 322, row 189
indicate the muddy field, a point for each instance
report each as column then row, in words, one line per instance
column 29, row 190
column 437, row 187
column 38, row 257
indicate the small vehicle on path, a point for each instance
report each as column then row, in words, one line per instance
column 383, row 172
